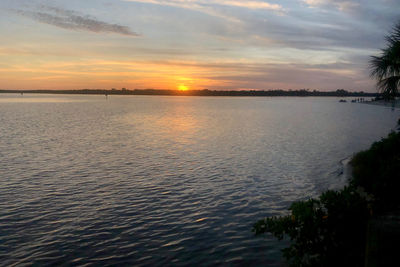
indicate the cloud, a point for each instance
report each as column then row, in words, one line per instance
column 293, row 76
column 197, row 3
column 209, row 6
column 72, row 20
column 245, row 4
column 366, row 21
column 343, row 5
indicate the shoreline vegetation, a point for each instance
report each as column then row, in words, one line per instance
column 355, row 226
column 205, row 92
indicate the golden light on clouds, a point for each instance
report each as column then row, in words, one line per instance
column 106, row 74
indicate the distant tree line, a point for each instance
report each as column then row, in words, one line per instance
column 205, row 92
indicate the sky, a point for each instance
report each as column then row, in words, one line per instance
column 192, row 44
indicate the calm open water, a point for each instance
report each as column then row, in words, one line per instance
column 152, row 180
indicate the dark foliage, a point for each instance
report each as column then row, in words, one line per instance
column 385, row 68
column 328, row 231
column 331, row 230
column 378, row 171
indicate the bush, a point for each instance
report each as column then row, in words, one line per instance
column 378, row 171
column 328, row 231
column 331, row 229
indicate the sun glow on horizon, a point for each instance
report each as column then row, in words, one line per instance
column 183, row 87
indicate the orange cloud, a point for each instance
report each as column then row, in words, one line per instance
column 194, row 4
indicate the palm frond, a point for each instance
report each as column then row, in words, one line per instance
column 385, row 68
column 380, row 66
column 389, row 86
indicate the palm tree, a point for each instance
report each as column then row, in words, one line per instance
column 386, row 67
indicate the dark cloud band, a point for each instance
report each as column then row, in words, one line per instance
column 71, row 20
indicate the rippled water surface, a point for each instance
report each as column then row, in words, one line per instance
column 137, row 180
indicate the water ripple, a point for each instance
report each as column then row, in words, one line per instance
column 165, row 181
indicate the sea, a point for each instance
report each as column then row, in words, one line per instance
column 90, row 180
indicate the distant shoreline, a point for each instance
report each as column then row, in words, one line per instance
column 303, row 92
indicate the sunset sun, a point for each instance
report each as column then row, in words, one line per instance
column 183, row 87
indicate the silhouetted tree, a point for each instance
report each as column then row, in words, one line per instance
column 386, row 67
